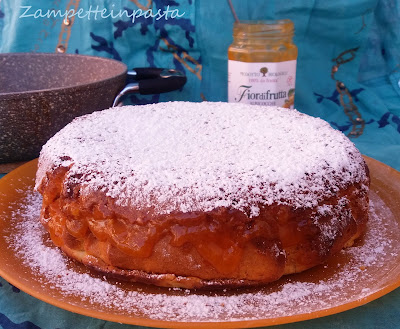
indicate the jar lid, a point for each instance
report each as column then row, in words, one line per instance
column 262, row 28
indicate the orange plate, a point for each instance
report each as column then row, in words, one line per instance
column 352, row 278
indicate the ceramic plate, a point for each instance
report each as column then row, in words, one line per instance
column 351, row 278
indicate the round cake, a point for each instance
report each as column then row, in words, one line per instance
column 199, row 195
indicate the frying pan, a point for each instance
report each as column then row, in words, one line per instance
column 40, row 93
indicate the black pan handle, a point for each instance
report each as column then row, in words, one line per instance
column 160, row 85
column 143, row 73
column 151, row 80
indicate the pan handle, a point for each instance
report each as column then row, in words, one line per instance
column 151, row 81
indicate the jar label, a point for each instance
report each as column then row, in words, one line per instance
column 271, row 84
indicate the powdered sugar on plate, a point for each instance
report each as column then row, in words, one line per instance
column 335, row 283
column 182, row 156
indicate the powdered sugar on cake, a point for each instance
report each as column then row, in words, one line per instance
column 185, row 157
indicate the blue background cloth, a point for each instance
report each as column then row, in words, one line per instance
column 197, row 43
column 367, row 31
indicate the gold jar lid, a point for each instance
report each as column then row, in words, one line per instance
column 263, row 28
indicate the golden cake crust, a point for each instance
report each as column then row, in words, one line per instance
column 222, row 246
column 286, row 240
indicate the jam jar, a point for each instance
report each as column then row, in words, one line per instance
column 262, row 63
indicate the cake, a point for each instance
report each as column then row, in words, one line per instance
column 201, row 195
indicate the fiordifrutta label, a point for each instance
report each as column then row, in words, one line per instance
column 271, row 84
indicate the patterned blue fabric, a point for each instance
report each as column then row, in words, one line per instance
column 196, row 41
column 358, row 41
